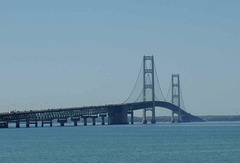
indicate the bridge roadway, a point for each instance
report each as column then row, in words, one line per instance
column 117, row 114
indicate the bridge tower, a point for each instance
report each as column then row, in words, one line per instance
column 176, row 95
column 148, row 72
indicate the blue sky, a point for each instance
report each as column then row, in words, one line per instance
column 74, row 53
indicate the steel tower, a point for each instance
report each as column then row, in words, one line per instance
column 176, row 95
column 148, row 72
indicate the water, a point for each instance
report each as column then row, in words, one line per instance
column 186, row 142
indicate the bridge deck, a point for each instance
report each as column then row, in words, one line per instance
column 49, row 114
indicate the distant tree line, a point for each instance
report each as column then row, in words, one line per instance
column 207, row 118
column 221, row 117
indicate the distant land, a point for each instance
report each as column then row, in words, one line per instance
column 207, row 118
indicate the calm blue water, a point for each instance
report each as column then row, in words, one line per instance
column 186, row 142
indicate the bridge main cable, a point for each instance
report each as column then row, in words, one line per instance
column 135, row 85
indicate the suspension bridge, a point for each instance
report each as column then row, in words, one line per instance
column 146, row 95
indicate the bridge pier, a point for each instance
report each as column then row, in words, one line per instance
column 93, row 119
column 62, row 121
column 47, row 122
column 18, row 124
column 85, row 120
column 75, row 120
column 118, row 115
column 103, row 118
column 179, row 118
column 153, row 121
column 27, row 123
column 172, row 117
column 132, row 117
column 4, row 124
column 144, row 121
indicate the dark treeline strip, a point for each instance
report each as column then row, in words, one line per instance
column 221, row 117
column 207, row 118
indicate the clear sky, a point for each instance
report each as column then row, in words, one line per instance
column 75, row 53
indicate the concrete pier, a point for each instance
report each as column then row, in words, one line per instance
column 18, row 124
column 27, row 124
column 118, row 115
column 62, row 121
column 85, row 120
column 172, row 117
column 93, row 119
column 103, row 118
column 132, row 118
column 144, row 120
column 4, row 124
column 75, row 120
column 47, row 122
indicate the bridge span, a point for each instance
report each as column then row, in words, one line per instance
column 116, row 114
